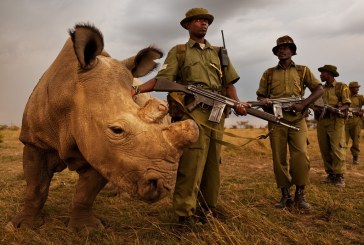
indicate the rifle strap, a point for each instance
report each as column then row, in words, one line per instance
column 338, row 90
column 222, row 142
column 181, row 56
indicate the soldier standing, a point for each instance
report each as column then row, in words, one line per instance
column 331, row 127
column 198, row 175
column 354, row 123
column 286, row 80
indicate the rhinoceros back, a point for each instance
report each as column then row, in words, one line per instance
column 46, row 114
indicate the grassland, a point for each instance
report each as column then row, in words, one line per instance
column 248, row 195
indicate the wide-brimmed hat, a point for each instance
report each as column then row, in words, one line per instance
column 285, row 40
column 329, row 68
column 354, row 84
column 197, row 13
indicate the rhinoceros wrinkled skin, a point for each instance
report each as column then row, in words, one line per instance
column 81, row 116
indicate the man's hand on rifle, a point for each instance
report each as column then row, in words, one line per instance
column 298, row 107
column 344, row 108
column 266, row 102
column 358, row 113
column 239, row 108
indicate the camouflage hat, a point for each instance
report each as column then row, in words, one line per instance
column 329, row 68
column 285, row 40
column 197, row 13
column 354, row 84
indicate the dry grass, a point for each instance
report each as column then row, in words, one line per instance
column 248, row 194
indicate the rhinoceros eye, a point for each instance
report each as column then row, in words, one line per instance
column 117, row 129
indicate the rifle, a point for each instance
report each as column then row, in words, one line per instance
column 325, row 108
column 279, row 104
column 355, row 111
column 217, row 101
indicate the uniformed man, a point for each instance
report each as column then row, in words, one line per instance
column 331, row 126
column 288, row 80
column 355, row 120
column 198, row 176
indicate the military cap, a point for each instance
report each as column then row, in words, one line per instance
column 330, row 68
column 285, row 40
column 197, row 13
column 354, row 84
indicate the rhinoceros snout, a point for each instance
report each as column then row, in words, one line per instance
column 154, row 188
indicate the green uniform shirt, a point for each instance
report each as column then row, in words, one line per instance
column 330, row 95
column 200, row 67
column 284, row 83
column 357, row 101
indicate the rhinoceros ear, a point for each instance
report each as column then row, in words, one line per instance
column 88, row 42
column 143, row 63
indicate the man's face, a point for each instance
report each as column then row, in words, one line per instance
column 284, row 52
column 198, row 27
column 324, row 76
column 354, row 90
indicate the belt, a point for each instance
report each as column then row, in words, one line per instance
column 329, row 114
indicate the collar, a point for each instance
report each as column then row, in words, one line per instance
column 191, row 43
column 330, row 85
column 278, row 66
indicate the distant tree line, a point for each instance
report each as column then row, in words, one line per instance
column 12, row 127
column 3, row 127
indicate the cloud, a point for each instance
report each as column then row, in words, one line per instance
column 33, row 32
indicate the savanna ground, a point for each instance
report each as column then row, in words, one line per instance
column 248, row 195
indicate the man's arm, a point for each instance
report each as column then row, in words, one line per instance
column 231, row 93
column 144, row 88
column 315, row 94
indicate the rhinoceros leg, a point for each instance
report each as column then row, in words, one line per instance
column 38, row 178
column 90, row 183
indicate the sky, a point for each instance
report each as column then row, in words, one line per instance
column 34, row 31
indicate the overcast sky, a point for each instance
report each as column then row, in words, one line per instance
column 34, row 31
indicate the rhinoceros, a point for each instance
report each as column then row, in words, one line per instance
column 81, row 116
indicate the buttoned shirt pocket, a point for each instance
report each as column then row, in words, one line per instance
column 193, row 71
column 276, row 88
column 214, row 59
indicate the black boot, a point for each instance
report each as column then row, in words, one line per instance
column 339, row 180
column 286, row 199
column 299, row 198
column 355, row 160
column 330, row 179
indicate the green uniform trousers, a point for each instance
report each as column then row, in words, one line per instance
column 296, row 170
column 353, row 130
column 198, row 175
column 331, row 139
